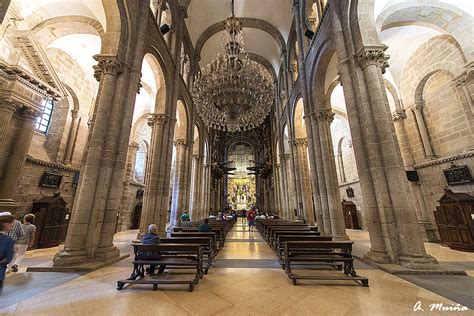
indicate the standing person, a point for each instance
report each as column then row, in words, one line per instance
column 24, row 242
column 251, row 219
column 6, row 244
column 15, row 233
column 243, row 216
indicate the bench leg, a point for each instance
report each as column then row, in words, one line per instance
column 155, row 287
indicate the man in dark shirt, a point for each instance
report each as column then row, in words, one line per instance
column 6, row 245
column 152, row 238
column 204, row 227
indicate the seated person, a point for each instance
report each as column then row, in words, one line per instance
column 205, row 227
column 152, row 238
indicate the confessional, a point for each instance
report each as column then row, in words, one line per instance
column 350, row 214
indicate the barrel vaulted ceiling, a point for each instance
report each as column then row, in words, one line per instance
column 266, row 27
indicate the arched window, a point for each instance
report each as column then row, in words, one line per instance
column 42, row 122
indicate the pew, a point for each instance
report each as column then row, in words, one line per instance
column 282, row 239
column 313, row 252
column 218, row 231
column 204, row 242
column 211, row 235
column 173, row 256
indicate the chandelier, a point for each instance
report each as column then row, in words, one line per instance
column 233, row 93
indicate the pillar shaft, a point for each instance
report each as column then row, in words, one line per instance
column 420, row 122
column 71, row 137
column 19, row 150
column 304, row 179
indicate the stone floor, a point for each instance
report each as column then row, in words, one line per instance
column 245, row 280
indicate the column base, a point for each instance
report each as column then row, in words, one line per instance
column 430, row 233
column 69, row 257
column 376, row 256
column 8, row 205
column 419, row 262
column 108, row 253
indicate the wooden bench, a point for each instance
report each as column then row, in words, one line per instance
column 204, row 242
column 211, row 235
column 282, row 239
column 269, row 234
column 301, row 233
column 220, row 237
column 173, row 256
column 311, row 252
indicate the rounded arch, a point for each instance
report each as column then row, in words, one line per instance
column 181, row 127
column 153, row 58
column 196, row 140
column 116, row 32
column 75, row 100
column 454, row 21
column 298, row 119
column 318, row 95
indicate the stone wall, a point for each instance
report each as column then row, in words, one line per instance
column 129, row 202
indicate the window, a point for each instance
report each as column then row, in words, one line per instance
column 42, row 122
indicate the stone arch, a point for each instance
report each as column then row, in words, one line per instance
column 298, row 119
column 75, row 100
column 319, row 73
column 156, row 63
column 181, row 127
column 246, row 23
column 437, row 14
column 264, row 62
column 116, row 32
column 196, row 140
column 93, row 26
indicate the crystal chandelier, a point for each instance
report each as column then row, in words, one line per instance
column 233, row 93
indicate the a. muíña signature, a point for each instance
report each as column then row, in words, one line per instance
column 440, row 307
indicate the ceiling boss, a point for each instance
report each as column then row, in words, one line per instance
column 233, row 93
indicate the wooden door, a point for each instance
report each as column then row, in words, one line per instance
column 137, row 215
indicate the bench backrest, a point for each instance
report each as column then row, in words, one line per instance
column 155, row 251
column 286, row 238
column 204, row 241
column 343, row 245
column 211, row 235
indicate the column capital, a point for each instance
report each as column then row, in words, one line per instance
column 7, row 105
column 29, row 113
column 373, row 55
column 324, row 115
column 300, row 142
column 74, row 114
column 197, row 156
column 107, row 64
column 183, row 11
column 419, row 105
column 157, row 119
column 180, row 142
column 134, row 145
column 399, row 115
column 286, row 156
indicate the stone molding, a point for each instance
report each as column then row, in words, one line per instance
column 107, row 64
column 441, row 161
column 29, row 113
column 134, row 145
column 373, row 55
column 54, row 165
column 419, row 105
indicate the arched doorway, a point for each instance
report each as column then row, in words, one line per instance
column 137, row 215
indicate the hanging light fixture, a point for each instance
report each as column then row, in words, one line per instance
column 233, row 93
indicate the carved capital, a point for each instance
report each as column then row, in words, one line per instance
column 107, row 64
column 180, row 142
column 157, row 119
column 373, row 55
column 325, row 116
column 300, row 142
column 8, row 106
column 134, row 146
column 419, row 105
column 197, row 156
column 183, row 11
column 399, row 115
column 74, row 114
column 28, row 113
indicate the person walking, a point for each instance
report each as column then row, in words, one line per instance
column 7, row 222
column 15, row 233
column 251, row 219
column 26, row 241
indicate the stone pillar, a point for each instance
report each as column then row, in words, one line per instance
column 177, row 204
column 340, row 163
column 401, row 234
column 425, row 217
column 7, row 110
column 420, row 122
column 71, row 140
column 291, row 191
column 197, row 192
column 338, row 230
column 157, row 180
column 206, row 190
column 19, row 150
column 303, row 176
column 277, row 189
column 128, row 176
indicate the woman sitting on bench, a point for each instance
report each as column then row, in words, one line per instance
column 152, row 238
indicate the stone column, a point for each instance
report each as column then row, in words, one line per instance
column 303, row 176
column 420, row 122
column 338, row 230
column 157, row 180
column 401, row 234
column 425, row 217
column 16, row 161
column 177, row 204
column 128, row 176
column 340, row 163
column 197, row 192
column 71, row 137
column 291, row 192
column 277, row 189
column 7, row 110
column 205, row 192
